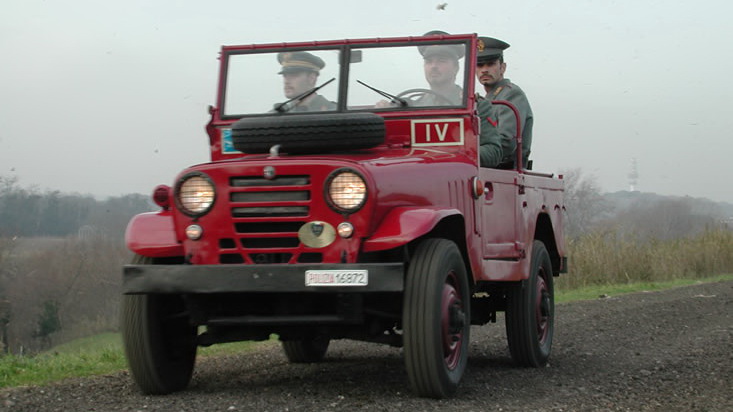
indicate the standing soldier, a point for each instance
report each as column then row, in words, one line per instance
column 490, row 69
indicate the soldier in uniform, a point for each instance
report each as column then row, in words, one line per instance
column 490, row 150
column 300, row 72
column 441, row 68
column 490, row 67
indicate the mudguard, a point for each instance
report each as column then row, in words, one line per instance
column 404, row 224
column 153, row 235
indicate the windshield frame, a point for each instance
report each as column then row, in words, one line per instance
column 346, row 49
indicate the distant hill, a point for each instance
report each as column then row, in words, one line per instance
column 623, row 200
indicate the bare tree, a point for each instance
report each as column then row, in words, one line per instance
column 584, row 203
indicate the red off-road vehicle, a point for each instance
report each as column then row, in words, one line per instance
column 368, row 218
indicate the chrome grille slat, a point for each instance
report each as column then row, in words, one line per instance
column 270, row 196
column 270, row 211
column 259, row 181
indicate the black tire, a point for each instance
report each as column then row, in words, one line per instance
column 530, row 313
column 436, row 319
column 160, row 344
column 306, row 350
column 308, row 133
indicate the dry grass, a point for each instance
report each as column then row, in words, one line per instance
column 606, row 257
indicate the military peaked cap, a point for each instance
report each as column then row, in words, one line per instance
column 293, row 62
column 490, row 48
column 453, row 51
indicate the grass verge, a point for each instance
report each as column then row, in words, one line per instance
column 102, row 354
column 94, row 355
column 593, row 292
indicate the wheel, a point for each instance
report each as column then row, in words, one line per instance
column 306, row 350
column 436, row 319
column 159, row 342
column 308, row 133
column 530, row 313
column 414, row 97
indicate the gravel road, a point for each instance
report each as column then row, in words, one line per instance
column 670, row 350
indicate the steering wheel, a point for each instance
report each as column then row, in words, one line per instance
column 413, row 96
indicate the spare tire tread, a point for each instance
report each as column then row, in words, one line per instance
column 309, row 133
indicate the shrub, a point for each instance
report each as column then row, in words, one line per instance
column 607, row 257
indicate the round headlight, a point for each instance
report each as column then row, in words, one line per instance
column 195, row 194
column 347, row 191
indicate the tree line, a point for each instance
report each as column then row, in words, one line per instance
column 60, row 264
column 30, row 212
column 636, row 214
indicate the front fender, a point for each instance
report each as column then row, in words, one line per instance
column 404, row 224
column 153, row 235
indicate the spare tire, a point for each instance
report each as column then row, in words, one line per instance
column 308, row 133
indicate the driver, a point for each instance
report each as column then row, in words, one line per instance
column 300, row 72
column 441, row 68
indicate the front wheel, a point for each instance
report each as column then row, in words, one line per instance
column 436, row 319
column 530, row 313
column 160, row 344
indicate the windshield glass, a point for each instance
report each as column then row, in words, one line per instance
column 389, row 77
column 260, row 82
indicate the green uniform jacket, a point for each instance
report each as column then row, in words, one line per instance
column 453, row 98
column 490, row 152
column 504, row 116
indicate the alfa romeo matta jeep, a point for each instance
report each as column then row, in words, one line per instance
column 344, row 199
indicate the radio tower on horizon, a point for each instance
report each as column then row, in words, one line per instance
column 633, row 175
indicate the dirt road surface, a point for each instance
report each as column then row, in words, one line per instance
column 662, row 351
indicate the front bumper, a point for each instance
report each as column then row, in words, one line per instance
column 206, row 279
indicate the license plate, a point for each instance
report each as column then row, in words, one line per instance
column 336, row 277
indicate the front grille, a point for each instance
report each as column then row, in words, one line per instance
column 267, row 214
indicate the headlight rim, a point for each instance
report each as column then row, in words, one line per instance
column 177, row 192
column 327, row 191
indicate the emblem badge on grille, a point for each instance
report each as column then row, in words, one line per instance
column 317, row 234
column 268, row 172
column 317, row 228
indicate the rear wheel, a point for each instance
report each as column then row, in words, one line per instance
column 159, row 341
column 530, row 313
column 436, row 319
column 307, row 350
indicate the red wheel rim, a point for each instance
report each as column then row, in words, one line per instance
column 452, row 321
column 542, row 308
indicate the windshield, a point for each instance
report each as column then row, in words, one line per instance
column 388, row 77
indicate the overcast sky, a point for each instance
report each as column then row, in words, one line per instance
column 109, row 97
